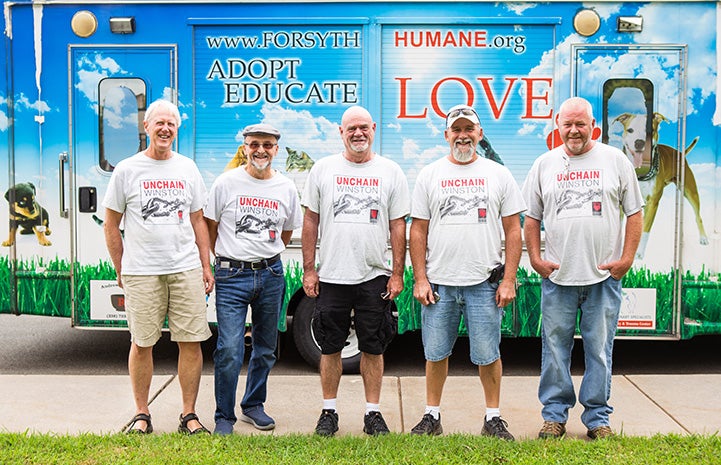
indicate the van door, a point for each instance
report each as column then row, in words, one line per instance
column 111, row 88
column 638, row 94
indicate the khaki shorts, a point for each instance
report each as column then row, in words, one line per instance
column 179, row 296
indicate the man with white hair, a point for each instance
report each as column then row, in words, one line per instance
column 162, row 260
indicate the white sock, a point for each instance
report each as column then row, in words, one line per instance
column 434, row 411
column 492, row 413
column 329, row 404
column 372, row 407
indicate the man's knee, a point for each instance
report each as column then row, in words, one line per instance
column 141, row 351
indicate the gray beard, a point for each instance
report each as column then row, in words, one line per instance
column 461, row 156
column 258, row 166
column 360, row 148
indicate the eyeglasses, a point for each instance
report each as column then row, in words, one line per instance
column 265, row 145
column 462, row 111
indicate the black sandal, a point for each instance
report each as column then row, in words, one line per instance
column 140, row 417
column 183, row 427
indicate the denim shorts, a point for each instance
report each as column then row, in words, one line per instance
column 375, row 324
column 477, row 305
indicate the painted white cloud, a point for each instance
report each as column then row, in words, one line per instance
column 25, row 103
column 113, row 113
column 412, row 151
column 107, row 63
column 300, row 130
column 518, row 8
column 561, row 79
column 88, row 82
column 604, row 10
column 414, row 62
column 666, row 89
column 434, row 130
column 527, row 129
column 698, row 24
column 91, row 70
column 3, row 115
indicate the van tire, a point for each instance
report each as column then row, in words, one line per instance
column 307, row 346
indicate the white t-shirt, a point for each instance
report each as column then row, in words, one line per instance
column 355, row 202
column 581, row 200
column 252, row 213
column 156, row 198
column 464, row 205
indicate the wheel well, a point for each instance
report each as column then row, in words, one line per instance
column 294, row 301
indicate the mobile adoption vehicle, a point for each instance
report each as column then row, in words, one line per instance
column 79, row 76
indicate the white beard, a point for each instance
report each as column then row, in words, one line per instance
column 259, row 166
column 462, row 156
column 360, row 148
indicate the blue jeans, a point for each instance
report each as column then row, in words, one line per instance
column 235, row 289
column 599, row 305
column 477, row 304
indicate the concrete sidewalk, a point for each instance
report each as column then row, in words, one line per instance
column 644, row 404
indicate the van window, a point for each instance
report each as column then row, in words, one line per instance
column 628, row 103
column 122, row 103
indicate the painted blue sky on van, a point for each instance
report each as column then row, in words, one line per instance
column 299, row 66
column 310, row 125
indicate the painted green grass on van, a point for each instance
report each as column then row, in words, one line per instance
column 42, row 287
column 5, row 285
column 663, row 283
column 701, row 304
column 40, row 293
column 104, row 270
column 529, row 299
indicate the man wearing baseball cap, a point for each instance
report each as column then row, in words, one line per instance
column 251, row 214
column 462, row 207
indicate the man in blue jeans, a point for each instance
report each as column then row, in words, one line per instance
column 251, row 213
column 463, row 207
column 581, row 191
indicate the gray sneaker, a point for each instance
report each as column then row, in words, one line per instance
column 428, row 425
column 497, row 427
column 327, row 423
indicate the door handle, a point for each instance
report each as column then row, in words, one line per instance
column 87, row 199
column 62, row 158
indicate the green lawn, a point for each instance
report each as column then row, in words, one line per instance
column 264, row 449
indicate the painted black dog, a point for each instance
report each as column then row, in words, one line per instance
column 26, row 214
